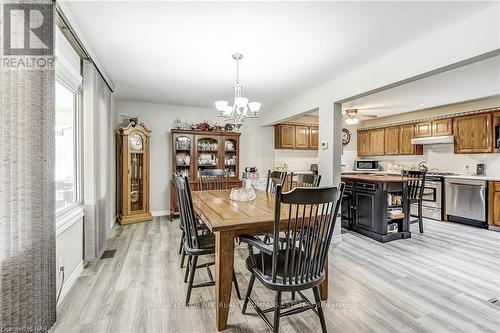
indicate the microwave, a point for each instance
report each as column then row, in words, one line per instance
column 366, row 165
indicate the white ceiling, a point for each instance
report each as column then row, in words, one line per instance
column 477, row 80
column 180, row 52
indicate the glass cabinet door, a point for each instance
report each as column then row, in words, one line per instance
column 231, row 156
column 182, row 146
column 207, row 152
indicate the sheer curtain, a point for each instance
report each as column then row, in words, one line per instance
column 27, row 201
column 97, row 173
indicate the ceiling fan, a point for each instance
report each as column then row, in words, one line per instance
column 352, row 117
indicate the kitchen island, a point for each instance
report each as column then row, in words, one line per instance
column 377, row 205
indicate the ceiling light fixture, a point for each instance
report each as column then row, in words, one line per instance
column 351, row 116
column 241, row 108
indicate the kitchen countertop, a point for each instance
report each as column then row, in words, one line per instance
column 382, row 172
column 377, row 178
column 476, row 177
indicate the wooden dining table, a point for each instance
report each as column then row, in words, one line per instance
column 228, row 219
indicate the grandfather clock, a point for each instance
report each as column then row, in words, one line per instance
column 134, row 173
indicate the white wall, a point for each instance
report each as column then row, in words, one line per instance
column 256, row 143
column 350, row 151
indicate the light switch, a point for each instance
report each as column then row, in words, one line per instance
column 324, row 144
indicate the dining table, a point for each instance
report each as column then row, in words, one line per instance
column 228, row 219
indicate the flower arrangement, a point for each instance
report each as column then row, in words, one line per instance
column 205, row 126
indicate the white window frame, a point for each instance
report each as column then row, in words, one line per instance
column 72, row 80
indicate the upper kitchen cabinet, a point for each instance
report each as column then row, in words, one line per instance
column 423, row 130
column 284, row 136
column 406, row 133
column 391, row 145
column 301, row 136
column 377, row 142
column 437, row 127
column 363, row 143
column 442, row 127
column 473, row 134
column 313, row 137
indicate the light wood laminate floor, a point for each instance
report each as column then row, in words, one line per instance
column 440, row 281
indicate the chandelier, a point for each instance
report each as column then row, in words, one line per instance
column 241, row 108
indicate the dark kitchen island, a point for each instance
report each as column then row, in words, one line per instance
column 378, row 203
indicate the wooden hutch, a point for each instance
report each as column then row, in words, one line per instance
column 193, row 151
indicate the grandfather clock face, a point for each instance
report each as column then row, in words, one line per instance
column 136, row 165
column 135, row 141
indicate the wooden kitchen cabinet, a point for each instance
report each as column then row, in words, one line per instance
column 301, row 137
column 377, row 142
column 406, row 133
column 284, row 136
column 442, row 127
column 494, row 203
column 391, row 138
column 473, row 134
column 423, row 130
column 313, row 137
column 363, row 143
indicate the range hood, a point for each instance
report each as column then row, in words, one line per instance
column 432, row 140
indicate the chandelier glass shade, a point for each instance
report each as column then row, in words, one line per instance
column 241, row 107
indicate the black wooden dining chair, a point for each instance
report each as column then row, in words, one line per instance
column 201, row 227
column 415, row 190
column 195, row 244
column 308, row 217
column 304, row 180
column 275, row 178
column 213, row 179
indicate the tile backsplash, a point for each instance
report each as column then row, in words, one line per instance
column 297, row 160
column 441, row 157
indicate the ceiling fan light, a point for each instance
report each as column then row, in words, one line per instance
column 241, row 102
column 351, row 121
column 220, row 105
column 254, row 107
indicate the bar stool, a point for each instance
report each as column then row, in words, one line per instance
column 415, row 192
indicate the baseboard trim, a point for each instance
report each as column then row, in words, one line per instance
column 336, row 239
column 160, row 213
column 70, row 282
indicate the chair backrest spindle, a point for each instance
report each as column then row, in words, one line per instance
column 275, row 178
column 213, row 179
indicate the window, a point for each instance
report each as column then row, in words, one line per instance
column 66, row 173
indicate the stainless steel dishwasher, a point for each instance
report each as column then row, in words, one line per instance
column 466, row 201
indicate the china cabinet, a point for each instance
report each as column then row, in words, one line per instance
column 134, row 173
column 194, row 151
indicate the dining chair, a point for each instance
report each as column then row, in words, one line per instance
column 195, row 244
column 415, row 190
column 275, row 178
column 304, row 180
column 308, row 216
column 213, row 179
column 201, row 226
